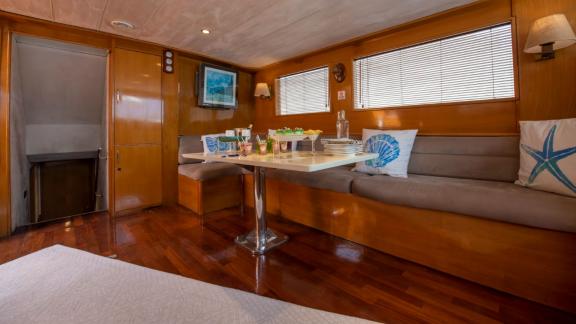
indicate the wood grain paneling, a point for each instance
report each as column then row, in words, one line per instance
column 205, row 196
column 196, row 120
column 532, row 263
column 138, row 130
column 490, row 117
column 5, row 199
column 138, row 176
column 170, row 111
column 547, row 88
column 138, row 108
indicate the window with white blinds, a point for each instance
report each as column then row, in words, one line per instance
column 303, row 93
column 473, row 66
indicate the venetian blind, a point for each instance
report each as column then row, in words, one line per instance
column 301, row 93
column 473, row 66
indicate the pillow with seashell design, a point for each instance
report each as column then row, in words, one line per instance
column 393, row 148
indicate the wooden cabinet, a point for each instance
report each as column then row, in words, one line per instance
column 137, row 130
column 138, row 97
column 138, row 176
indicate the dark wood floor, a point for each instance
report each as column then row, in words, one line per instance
column 314, row 269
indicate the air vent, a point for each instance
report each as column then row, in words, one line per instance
column 122, row 24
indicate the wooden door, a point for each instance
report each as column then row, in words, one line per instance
column 138, row 179
column 137, row 130
column 138, row 110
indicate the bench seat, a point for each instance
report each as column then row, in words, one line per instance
column 501, row 201
column 206, row 187
column 208, row 171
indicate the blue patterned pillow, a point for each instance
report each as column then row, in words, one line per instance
column 393, row 148
column 210, row 142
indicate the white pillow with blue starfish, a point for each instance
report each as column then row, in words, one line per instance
column 393, row 148
column 210, row 143
column 548, row 155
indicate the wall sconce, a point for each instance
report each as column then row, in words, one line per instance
column 549, row 34
column 262, row 90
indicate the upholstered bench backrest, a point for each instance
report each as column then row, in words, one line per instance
column 189, row 144
column 484, row 158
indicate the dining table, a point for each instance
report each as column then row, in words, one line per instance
column 262, row 239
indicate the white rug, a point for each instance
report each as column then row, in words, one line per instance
column 64, row 285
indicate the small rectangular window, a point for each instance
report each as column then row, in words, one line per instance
column 303, row 93
column 475, row 66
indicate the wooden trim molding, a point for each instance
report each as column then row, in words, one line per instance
column 5, row 197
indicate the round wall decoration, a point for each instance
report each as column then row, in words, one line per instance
column 339, row 72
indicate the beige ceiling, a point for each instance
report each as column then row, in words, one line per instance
column 250, row 33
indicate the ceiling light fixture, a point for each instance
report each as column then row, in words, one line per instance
column 205, row 31
column 122, row 24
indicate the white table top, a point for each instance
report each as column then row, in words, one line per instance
column 295, row 161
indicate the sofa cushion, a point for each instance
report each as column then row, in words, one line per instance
column 207, row 171
column 483, row 158
column 500, row 201
column 189, row 144
column 335, row 179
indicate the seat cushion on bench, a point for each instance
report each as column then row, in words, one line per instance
column 482, row 158
column 335, row 179
column 500, row 201
column 207, row 171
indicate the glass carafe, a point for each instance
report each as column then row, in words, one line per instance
column 342, row 125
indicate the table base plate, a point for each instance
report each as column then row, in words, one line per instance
column 273, row 239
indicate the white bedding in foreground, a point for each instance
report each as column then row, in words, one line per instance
column 64, row 285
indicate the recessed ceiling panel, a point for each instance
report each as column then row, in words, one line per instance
column 250, row 33
column 34, row 8
column 82, row 13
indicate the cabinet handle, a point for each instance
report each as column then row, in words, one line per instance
column 118, row 161
column 118, row 96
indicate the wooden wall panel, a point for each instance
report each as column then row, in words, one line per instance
column 496, row 117
column 547, row 88
column 170, row 137
column 138, row 107
column 5, row 220
column 196, row 120
column 138, row 176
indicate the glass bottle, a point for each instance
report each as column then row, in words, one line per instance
column 342, row 125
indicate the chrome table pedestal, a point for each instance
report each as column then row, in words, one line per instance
column 262, row 239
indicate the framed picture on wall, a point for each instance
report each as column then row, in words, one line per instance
column 217, row 87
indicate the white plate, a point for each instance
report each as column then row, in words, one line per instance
column 339, row 141
column 344, row 150
column 342, row 146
